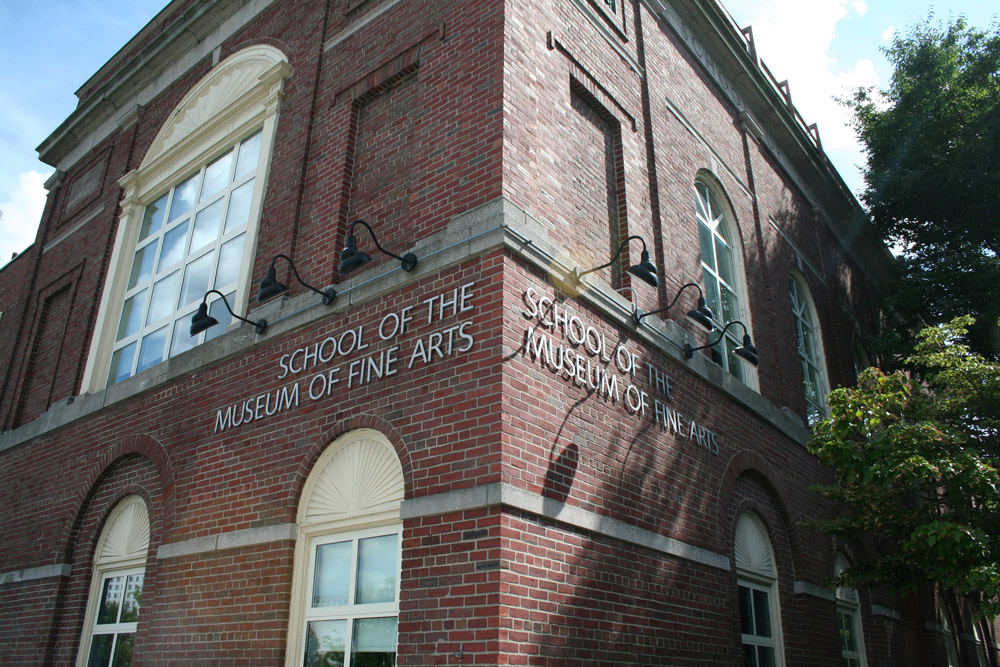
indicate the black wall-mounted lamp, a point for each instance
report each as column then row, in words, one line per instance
column 202, row 320
column 270, row 287
column 702, row 314
column 351, row 258
column 645, row 270
column 746, row 351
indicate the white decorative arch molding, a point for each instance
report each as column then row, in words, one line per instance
column 753, row 549
column 358, row 476
column 229, row 100
column 126, row 535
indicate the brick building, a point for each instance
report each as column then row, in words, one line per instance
column 485, row 445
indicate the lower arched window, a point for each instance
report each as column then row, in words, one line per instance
column 852, row 646
column 345, row 600
column 757, row 589
column 116, row 588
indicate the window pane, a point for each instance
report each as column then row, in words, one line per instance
column 152, row 219
column 173, row 246
column 807, row 344
column 374, row 642
column 724, row 257
column 762, row 613
column 746, row 611
column 730, row 306
column 325, row 643
column 100, row 650
column 216, row 176
column 700, row 198
column 121, row 364
column 377, row 569
column 123, row 650
column 249, row 155
column 217, row 309
column 332, row 575
column 230, row 259
column 712, row 293
column 765, row 656
column 164, row 297
column 705, row 237
column 733, row 363
column 206, row 226
column 151, row 352
column 182, row 340
column 239, row 207
column 132, row 312
column 111, row 599
column 196, row 276
column 183, row 198
column 142, row 265
column 133, row 596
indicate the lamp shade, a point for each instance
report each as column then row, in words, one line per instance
column 747, row 351
column 703, row 315
column 270, row 287
column 645, row 270
column 350, row 257
column 201, row 320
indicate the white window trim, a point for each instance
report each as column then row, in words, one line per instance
column 240, row 95
column 380, row 516
column 820, row 361
column 739, row 268
column 114, row 559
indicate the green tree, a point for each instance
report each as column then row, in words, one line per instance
column 932, row 179
column 914, row 456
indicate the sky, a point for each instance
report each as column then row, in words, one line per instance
column 825, row 48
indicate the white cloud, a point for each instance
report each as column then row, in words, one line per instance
column 860, row 7
column 22, row 209
column 794, row 39
column 888, row 33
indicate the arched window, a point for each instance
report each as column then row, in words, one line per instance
column 722, row 271
column 189, row 218
column 116, row 587
column 757, row 587
column 810, row 347
column 852, row 646
column 345, row 598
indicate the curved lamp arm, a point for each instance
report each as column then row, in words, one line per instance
column 702, row 314
column 201, row 320
column 270, row 287
column 350, row 258
column 746, row 351
column 644, row 270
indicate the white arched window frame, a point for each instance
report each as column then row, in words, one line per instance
column 809, row 340
column 723, row 276
column 116, row 587
column 852, row 644
column 189, row 217
column 757, row 594
column 345, row 595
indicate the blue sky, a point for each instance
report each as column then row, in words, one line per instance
column 49, row 49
